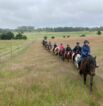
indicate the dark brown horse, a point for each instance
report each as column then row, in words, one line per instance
column 68, row 55
column 88, row 67
column 61, row 54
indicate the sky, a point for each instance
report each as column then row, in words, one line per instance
column 51, row 13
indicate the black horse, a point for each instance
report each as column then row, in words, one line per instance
column 88, row 67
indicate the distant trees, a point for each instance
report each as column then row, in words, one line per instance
column 25, row 29
column 51, row 29
column 10, row 35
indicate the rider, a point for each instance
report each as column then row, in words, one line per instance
column 61, row 47
column 77, row 48
column 55, row 45
column 85, row 49
column 68, row 48
column 85, row 52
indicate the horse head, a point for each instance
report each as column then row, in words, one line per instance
column 92, row 65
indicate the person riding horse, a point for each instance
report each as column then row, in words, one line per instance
column 49, row 46
column 55, row 45
column 68, row 51
column 68, row 48
column 44, row 42
column 76, row 50
column 87, row 64
column 85, row 52
column 62, row 49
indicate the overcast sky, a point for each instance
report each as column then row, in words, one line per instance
column 51, row 13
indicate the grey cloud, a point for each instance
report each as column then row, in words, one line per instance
column 42, row 13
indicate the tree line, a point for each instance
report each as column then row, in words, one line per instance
column 52, row 29
column 10, row 35
column 56, row 29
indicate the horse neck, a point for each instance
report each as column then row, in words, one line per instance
column 88, row 64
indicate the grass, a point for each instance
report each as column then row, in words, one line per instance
column 35, row 77
column 40, row 35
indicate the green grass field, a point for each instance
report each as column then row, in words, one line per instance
column 35, row 77
column 38, row 35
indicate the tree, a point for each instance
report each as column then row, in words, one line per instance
column 99, row 32
column 20, row 36
column 7, row 36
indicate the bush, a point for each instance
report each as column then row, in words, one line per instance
column 7, row 36
column 63, row 36
column 68, row 36
column 24, row 37
column 20, row 36
column 99, row 32
column 83, row 35
column 45, row 37
column 53, row 37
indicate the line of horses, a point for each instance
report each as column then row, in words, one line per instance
column 87, row 67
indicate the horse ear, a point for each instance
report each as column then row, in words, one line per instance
column 95, row 57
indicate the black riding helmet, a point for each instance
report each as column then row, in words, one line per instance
column 68, row 45
column 77, row 43
column 86, row 41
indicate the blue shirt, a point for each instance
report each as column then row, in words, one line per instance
column 85, row 51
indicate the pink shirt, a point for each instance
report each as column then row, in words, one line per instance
column 61, row 47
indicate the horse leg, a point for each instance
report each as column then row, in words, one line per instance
column 85, row 76
column 63, row 57
column 68, row 58
column 91, row 83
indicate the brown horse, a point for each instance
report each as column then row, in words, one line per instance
column 88, row 67
column 68, row 55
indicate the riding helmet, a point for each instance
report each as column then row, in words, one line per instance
column 86, row 41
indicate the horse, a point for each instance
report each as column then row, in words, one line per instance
column 57, row 50
column 87, row 67
column 68, row 55
column 76, row 58
column 49, row 47
column 62, row 54
column 44, row 43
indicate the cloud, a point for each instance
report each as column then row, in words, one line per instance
column 42, row 13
